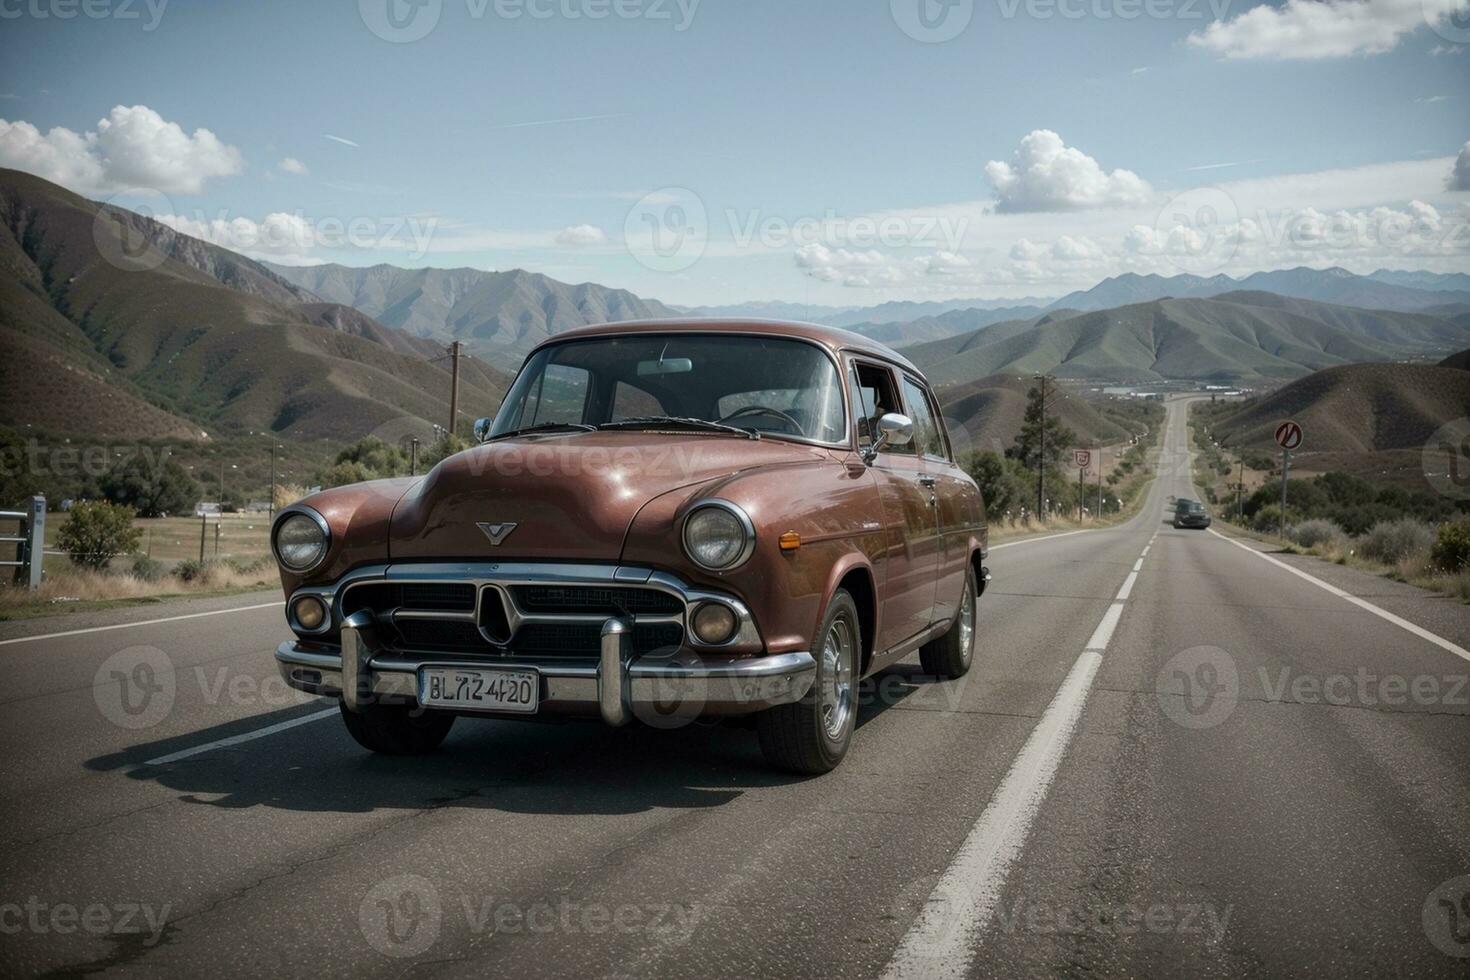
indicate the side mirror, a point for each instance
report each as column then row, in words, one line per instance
column 893, row 430
column 482, row 429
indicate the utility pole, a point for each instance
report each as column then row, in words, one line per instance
column 203, row 527
column 1240, row 487
column 271, row 504
column 1041, row 454
column 454, row 356
column 413, row 456
column 1099, row 482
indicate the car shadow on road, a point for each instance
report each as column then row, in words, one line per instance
column 571, row 768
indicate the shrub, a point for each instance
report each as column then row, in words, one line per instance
column 191, row 569
column 148, row 569
column 1308, row 534
column 1391, row 542
column 1267, row 520
column 95, row 532
column 1451, row 552
column 153, row 487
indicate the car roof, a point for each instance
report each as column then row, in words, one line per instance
column 833, row 338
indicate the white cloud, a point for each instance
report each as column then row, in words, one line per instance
column 1047, row 175
column 1440, row 49
column 1305, row 29
column 291, row 165
column 1431, row 99
column 1460, row 175
column 132, row 148
column 581, row 235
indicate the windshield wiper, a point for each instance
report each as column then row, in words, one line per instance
column 671, row 421
column 545, row 427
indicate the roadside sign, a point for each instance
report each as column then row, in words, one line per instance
column 1082, row 457
column 1289, row 436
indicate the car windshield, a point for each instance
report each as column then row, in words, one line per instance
column 767, row 385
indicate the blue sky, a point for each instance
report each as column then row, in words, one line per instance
column 1036, row 150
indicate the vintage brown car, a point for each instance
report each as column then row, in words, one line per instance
column 667, row 520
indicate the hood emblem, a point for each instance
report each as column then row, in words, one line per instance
column 497, row 533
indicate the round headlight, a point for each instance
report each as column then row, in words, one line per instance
column 301, row 542
column 714, row 623
column 718, row 536
column 310, row 612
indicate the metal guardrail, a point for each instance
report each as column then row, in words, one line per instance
column 29, row 541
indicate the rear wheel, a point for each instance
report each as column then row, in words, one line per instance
column 811, row 736
column 397, row 729
column 950, row 655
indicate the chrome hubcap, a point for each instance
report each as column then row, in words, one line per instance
column 836, row 705
column 967, row 623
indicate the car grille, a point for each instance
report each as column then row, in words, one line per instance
column 552, row 622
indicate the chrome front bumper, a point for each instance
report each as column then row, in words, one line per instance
column 619, row 688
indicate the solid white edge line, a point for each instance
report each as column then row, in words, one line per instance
column 239, row 739
column 1383, row 614
column 1104, row 631
column 1046, row 537
column 144, row 622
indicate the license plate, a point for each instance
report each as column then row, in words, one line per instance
column 479, row 689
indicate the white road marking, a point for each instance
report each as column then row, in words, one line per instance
column 1138, row 565
column 1383, row 614
column 222, row 743
column 145, row 622
column 1045, row 537
column 941, row 941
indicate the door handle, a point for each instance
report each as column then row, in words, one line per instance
column 927, row 481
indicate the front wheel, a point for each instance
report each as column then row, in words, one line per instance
column 397, row 729
column 950, row 655
column 811, row 736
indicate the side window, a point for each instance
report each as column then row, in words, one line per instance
column 631, row 403
column 560, row 396
column 926, row 433
column 874, row 396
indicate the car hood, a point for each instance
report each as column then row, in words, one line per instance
column 569, row 496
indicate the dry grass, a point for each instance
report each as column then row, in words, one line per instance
column 67, row 589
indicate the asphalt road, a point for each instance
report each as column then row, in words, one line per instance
column 1175, row 757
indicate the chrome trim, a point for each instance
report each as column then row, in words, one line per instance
column 321, row 522
column 730, row 508
column 354, row 659
column 612, row 672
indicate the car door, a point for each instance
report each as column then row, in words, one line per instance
column 912, row 546
column 957, row 509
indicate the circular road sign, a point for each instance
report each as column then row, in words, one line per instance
column 1289, row 435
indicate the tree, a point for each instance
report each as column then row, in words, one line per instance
column 1003, row 482
column 95, row 532
column 152, row 487
column 366, row 459
column 1058, row 438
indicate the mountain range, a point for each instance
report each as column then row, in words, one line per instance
column 499, row 315
column 115, row 325
column 1251, row 337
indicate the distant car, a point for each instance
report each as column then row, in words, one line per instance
column 666, row 521
column 1190, row 513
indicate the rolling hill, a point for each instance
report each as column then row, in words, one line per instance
column 987, row 414
column 1239, row 337
column 168, row 335
column 1356, row 408
column 499, row 315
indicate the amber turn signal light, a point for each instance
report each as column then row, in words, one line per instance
column 790, row 541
